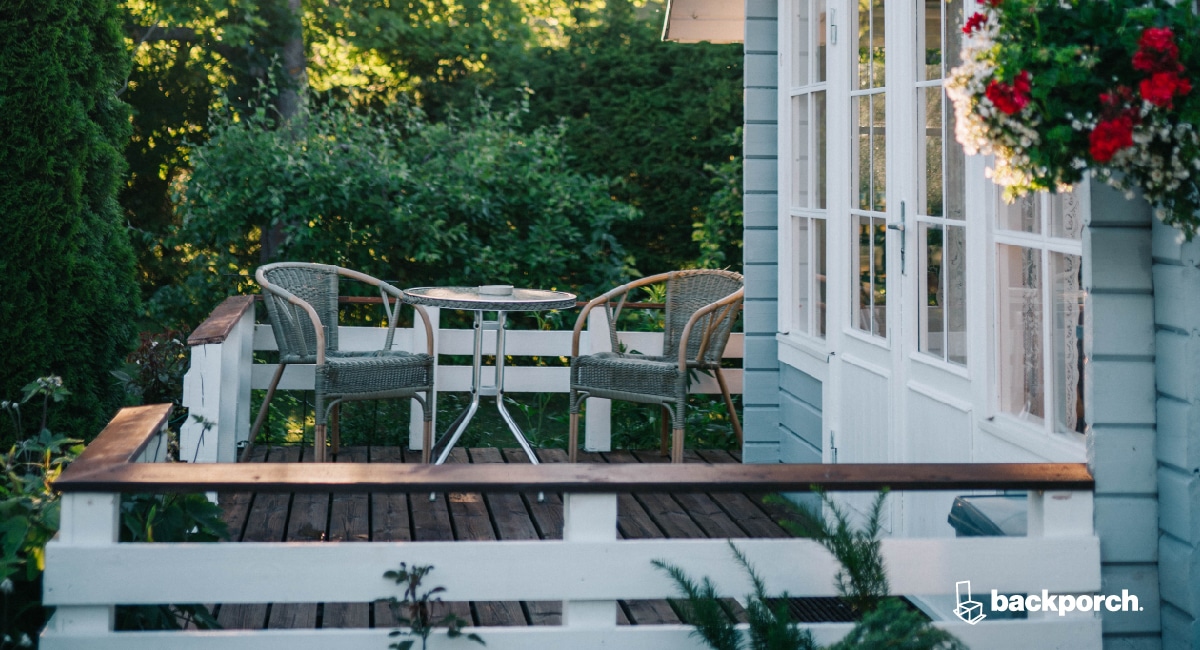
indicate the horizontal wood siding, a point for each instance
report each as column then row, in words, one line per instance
column 1177, row 337
column 1119, row 400
column 761, row 363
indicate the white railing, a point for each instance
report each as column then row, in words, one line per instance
column 88, row 572
column 217, row 386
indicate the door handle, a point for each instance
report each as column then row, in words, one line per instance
column 899, row 227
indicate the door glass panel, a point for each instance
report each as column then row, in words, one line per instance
column 819, row 37
column 878, row 77
column 862, row 152
column 878, row 154
column 800, row 152
column 931, row 200
column 804, row 273
column 864, row 47
column 803, row 39
column 1065, row 217
column 819, row 273
column 872, row 275
column 954, row 286
column 1068, row 305
column 930, row 65
column 955, row 171
column 819, row 153
column 1020, row 344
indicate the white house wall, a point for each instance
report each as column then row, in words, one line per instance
column 1177, row 338
column 761, row 363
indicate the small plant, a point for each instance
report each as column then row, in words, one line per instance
column 771, row 627
column 415, row 609
column 885, row 621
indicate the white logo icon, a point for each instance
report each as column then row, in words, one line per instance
column 970, row 611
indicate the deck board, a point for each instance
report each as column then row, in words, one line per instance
column 472, row 516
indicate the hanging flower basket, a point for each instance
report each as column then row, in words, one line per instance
column 1054, row 88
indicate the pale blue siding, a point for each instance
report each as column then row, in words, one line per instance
column 759, row 148
column 1177, row 318
column 1120, row 403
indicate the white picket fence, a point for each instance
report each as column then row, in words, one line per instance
column 217, row 385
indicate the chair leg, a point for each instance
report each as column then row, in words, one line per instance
column 319, row 452
column 733, row 417
column 262, row 411
column 664, row 430
column 427, row 443
column 336, row 418
column 677, row 446
column 573, row 439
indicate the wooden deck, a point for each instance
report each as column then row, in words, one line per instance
column 470, row 516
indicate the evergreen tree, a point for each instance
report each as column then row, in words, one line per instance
column 66, row 265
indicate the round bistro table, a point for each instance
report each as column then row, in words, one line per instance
column 480, row 300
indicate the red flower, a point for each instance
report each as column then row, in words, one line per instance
column 1157, row 51
column 1010, row 99
column 1111, row 136
column 976, row 21
column 1162, row 88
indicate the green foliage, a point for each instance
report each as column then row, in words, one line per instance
column 154, row 371
column 67, row 266
column 862, row 580
column 415, row 609
column 649, row 112
column 771, row 627
column 472, row 200
column 719, row 230
column 884, row 622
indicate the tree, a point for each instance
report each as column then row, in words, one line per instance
column 67, row 265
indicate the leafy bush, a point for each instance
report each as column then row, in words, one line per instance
column 415, row 609
column 472, row 200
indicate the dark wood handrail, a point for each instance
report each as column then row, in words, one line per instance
column 106, row 467
column 218, row 325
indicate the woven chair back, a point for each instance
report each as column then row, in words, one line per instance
column 688, row 291
column 316, row 284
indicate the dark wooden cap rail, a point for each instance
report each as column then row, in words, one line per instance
column 216, row 328
column 106, row 467
column 218, row 325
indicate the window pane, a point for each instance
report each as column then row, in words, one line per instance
column 1019, row 310
column 800, row 152
column 930, row 65
column 862, row 153
column 1065, row 218
column 1068, row 304
column 864, row 47
column 872, row 278
column 803, row 42
column 954, row 282
column 1022, row 215
column 878, row 153
column 878, row 79
column 819, row 153
column 955, row 176
column 932, row 299
column 818, row 255
column 819, row 37
column 803, row 273
column 931, row 200
column 952, row 41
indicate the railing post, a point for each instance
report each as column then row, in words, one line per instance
column 86, row 519
column 1060, row 513
column 216, row 389
column 597, row 424
column 589, row 518
column 416, row 425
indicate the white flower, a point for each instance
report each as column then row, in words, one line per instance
column 6, row 587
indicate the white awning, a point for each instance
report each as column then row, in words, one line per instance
column 716, row 21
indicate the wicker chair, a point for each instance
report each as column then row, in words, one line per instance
column 302, row 303
column 701, row 307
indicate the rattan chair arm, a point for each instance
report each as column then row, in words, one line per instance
column 727, row 301
column 607, row 297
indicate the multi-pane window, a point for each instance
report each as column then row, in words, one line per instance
column 941, row 228
column 1039, row 311
column 869, row 182
column 809, row 199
